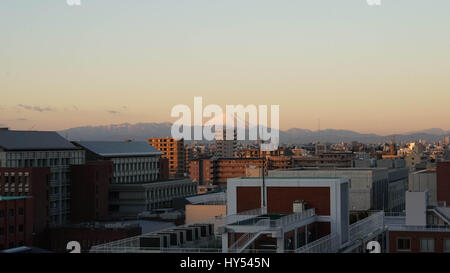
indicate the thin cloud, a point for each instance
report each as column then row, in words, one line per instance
column 36, row 108
column 113, row 112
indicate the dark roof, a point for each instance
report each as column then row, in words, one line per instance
column 118, row 149
column 33, row 140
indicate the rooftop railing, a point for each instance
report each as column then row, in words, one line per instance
column 326, row 244
column 370, row 225
column 427, row 228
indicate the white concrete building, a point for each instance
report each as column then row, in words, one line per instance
column 369, row 187
column 424, row 180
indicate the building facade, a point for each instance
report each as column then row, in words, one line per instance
column 424, row 228
column 369, row 187
column 132, row 199
column 174, row 150
column 216, row 171
column 135, row 164
column 90, row 190
column 225, row 146
column 16, row 221
column 34, row 182
column 325, row 159
column 31, row 149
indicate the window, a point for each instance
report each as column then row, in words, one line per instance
column 426, row 244
column 403, row 244
column 20, row 228
column 447, row 245
column 11, row 212
column 11, row 230
column 20, row 211
column 2, row 214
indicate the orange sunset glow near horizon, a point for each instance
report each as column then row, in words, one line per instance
column 343, row 64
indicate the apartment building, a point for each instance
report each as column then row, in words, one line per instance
column 325, row 159
column 174, row 150
column 217, row 171
column 225, row 146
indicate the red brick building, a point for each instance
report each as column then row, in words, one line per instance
column 163, row 169
column 16, row 221
column 90, row 183
column 430, row 231
column 416, row 242
column 424, row 228
column 16, row 182
column 443, row 182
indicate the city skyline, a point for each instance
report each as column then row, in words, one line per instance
column 369, row 69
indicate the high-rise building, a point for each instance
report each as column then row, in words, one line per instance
column 189, row 157
column 172, row 149
column 34, row 149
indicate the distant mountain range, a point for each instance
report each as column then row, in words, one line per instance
column 142, row 131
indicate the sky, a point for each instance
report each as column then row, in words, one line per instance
column 373, row 69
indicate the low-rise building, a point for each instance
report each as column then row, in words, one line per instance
column 132, row 199
column 423, row 228
column 369, row 187
column 325, row 159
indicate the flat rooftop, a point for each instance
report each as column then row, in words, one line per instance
column 291, row 178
